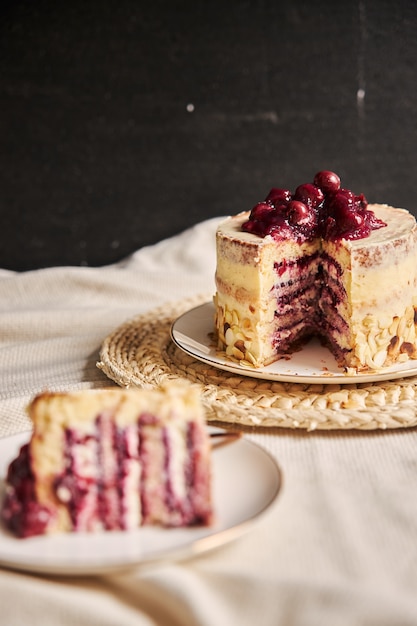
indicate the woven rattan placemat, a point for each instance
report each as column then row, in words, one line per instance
column 140, row 353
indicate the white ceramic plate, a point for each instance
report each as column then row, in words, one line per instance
column 312, row 364
column 246, row 481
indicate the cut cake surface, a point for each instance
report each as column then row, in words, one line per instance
column 111, row 459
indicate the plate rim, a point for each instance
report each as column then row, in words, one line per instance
column 215, row 537
column 266, row 374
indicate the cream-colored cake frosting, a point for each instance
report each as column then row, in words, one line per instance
column 370, row 287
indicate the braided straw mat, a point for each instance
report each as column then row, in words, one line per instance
column 141, row 353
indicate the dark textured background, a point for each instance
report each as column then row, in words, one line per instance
column 125, row 122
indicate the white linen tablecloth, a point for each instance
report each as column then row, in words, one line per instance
column 338, row 548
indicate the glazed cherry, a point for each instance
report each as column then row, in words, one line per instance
column 341, row 203
column 277, row 194
column 298, row 212
column 310, row 194
column 261, row 210
column 348, row 219
column 353, row 221
column 254, row 227
column 345, row 195
column 329, row 182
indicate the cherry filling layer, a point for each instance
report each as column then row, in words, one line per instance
column 309, row 302
column 174, row 475
column 21, row 512
column 116, row 479
column 319, row 209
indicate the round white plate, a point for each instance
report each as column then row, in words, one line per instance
column 246, row 481
column 192, row 332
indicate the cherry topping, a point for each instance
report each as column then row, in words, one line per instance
column 362, row 201
column 344, row 195
column 298, row 212
column 309, row 194
column 322, row 208
column 329, row 182
column 261, row 210
column 276, row 194
column 347, row 217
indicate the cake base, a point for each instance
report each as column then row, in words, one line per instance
column 141, row 353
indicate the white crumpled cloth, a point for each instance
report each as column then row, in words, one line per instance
column 339, row 546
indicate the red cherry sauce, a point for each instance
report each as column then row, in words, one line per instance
column 319, row 209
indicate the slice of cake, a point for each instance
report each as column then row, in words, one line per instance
column 111, row 459
column 318, row 262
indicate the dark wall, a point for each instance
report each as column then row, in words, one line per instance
column 125, row 122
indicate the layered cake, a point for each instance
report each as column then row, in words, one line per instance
column 319, row 261
column 111, row 459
